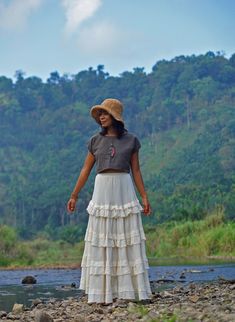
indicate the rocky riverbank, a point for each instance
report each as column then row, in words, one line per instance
column 213, row 302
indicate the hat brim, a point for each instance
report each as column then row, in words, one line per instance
column 95, row 113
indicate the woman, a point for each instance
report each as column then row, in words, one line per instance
column 114, row 263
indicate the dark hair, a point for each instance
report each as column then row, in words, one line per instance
column 119, row 127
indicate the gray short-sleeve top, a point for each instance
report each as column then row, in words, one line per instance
column 113, row 153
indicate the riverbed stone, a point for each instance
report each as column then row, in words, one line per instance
column 40, row 305
column 194, row 298
column 79, row 318
column 3, row 314
column 36, row 302
column 41, row 316
column 17, row 308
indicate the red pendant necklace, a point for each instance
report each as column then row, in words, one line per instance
column 112, row 150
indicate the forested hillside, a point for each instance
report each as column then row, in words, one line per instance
column 183, row 112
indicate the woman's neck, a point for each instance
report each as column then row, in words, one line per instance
column 111, row 131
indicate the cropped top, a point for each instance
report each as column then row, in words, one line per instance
column 113, row 153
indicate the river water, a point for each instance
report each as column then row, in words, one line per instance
column 55, row 283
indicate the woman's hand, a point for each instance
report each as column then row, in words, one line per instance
column 147, row 208
column 137, row 176
column 71, row 205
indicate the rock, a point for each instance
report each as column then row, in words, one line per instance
column 230, row 317
column 99, row 311
column 224, row 280
column 121, row 303
column 192, row 285
column 164, row 280
column 92, row 317
column 135, row 316
column 131, row 306
column 147, row 301
column 41, row 316
column 120, row 314
column 29, row 280
column 3, row 314
column 153, row 315
column 194, row 298
column 36, row 302
column 167, row 294
column 110, row 310
column 12, row 317
column 78, row 318
column 40, row 306
column 17, row 308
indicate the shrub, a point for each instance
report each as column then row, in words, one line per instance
column 8, row 239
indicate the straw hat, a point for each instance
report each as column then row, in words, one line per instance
column 112, row 106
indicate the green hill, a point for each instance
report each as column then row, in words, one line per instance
column 183, row 112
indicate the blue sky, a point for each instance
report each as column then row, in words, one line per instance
column 42, row 36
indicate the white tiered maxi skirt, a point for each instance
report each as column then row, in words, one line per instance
column 114, row 263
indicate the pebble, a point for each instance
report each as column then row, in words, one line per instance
column 194, row 298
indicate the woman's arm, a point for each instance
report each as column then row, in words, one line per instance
column 137, row 176
column 84, row 174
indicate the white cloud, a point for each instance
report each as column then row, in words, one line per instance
column 77, row 11
column 117, row 48
column 102, row 38
column 111, row 45
column 14, row 15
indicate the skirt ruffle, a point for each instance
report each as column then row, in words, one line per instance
column 115, row 232
column 114, row 263
column 114, row 211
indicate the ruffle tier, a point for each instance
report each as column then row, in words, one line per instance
column 115, row 261
column 115, row 232
column 114, row 211
column 105, row 288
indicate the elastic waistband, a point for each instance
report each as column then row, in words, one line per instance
column 113, row 174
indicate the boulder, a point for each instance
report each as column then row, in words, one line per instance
column 29, row 280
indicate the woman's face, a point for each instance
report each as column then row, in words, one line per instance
column 105, row 118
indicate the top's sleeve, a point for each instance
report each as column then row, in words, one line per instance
column 137, row 145
column 90, row 146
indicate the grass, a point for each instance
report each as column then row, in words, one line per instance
column 188, row 242
column 142, row 312
column 202, row 238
